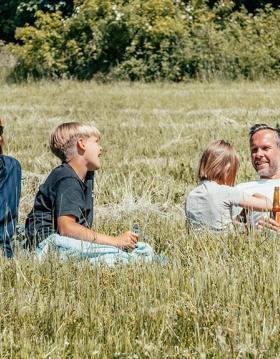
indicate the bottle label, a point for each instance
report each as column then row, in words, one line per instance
column 277, row 217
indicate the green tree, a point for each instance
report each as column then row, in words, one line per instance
column 16, row 13
column 150, row 40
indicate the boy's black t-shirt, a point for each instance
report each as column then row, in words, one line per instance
column 63, row 193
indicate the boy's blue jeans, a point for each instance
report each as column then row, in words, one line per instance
column 95, row 253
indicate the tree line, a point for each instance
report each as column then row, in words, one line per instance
column 142, row 39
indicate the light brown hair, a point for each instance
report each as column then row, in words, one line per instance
column 1, row 137
column 63, row 139
column 219, row 163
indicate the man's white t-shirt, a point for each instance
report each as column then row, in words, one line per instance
column 261, row 186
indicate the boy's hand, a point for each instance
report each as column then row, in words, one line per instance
column 126, row 240
column 268, row 223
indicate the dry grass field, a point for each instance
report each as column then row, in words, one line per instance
column 219, row 295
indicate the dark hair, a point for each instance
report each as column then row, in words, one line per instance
column 262, row 126
column 219, row 163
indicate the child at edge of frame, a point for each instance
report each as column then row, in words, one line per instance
column 10, row 190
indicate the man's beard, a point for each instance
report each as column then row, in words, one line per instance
column 268, row 172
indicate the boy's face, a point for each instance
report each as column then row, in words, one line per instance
column 93, row 153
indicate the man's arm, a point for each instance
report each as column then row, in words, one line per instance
column 67, row 226
column 268, row 223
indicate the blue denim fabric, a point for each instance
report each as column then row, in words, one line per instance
column 95, row 253
column 10, row 189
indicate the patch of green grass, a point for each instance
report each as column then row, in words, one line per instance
column 219, row 294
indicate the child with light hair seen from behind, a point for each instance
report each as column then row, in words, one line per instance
column 62, row 215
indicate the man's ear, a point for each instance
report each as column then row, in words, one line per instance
column 81, row 143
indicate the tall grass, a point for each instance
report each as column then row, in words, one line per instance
column 219, row 294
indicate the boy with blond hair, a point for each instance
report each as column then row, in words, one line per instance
column 62, row 214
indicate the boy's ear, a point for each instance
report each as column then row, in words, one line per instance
column 81, row 143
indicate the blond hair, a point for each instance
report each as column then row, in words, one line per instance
column 63, row 138
column 219, row 163
column 1, row 137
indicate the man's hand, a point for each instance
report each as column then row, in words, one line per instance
column 268, row 223
column 126, row 240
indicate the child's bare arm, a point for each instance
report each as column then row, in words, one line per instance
column 67, row 226
column 257, row 202
column 259, row 195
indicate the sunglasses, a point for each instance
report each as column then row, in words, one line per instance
column 1, row 130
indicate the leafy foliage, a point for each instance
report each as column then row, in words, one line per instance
column 150, row 40
column 16, row 13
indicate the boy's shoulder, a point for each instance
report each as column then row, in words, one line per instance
column 64, row 172
column 63, row 168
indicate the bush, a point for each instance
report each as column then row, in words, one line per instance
column 150, row 40
column 42, row 54
column 16, row 13
column 233, row 45
column 103, row 37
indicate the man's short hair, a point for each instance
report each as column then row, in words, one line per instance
column 262, row 126
column 63, row 138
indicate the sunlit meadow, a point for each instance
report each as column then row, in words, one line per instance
column 218, row 296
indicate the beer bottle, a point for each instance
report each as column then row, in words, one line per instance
column 276, row 206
